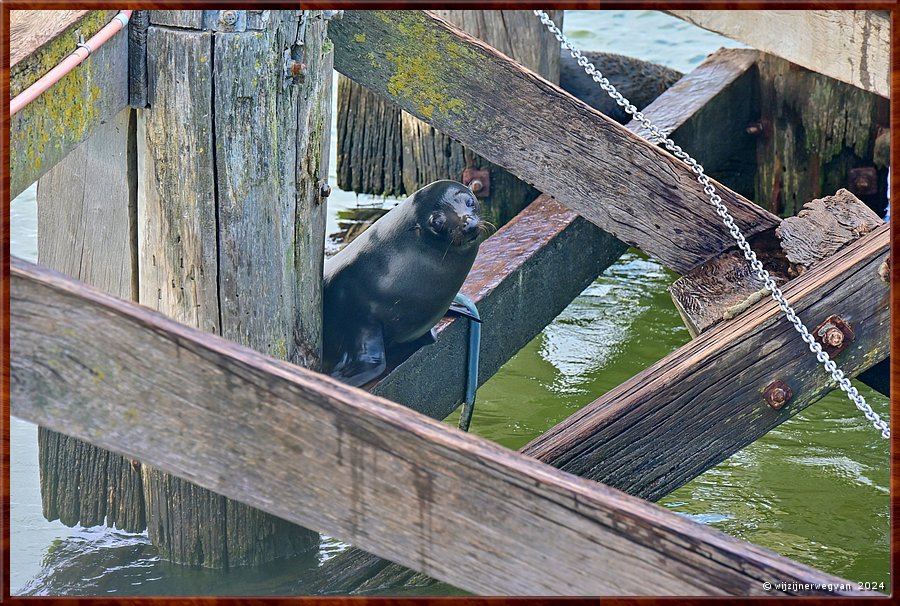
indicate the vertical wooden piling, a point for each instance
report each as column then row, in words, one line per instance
column 385, row 151
column 86, row 214
column 231, row 225
column 812, row 131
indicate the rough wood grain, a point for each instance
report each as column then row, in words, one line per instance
column 176, row 18
column 538, row 132
column 700, row 404
column 851, row 46
column 137, row 59
column 705, row 295
column 233, row 232
column 86, row 223
column 824, row 227
column 46, row 130
column 361, row 468
column 176, row 200
column 369, row 135
column 814, row 130
column 707, row 113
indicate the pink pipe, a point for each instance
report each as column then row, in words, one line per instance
column 69, row 63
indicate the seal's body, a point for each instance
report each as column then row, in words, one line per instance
column 394, row 282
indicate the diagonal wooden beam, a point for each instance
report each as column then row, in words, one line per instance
column 319, row 453
column 700, row 404
column 518, row 120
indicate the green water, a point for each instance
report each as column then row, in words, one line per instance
column 815, row 489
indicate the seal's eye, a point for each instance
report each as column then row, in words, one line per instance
column 470, row 202
column 436, row 222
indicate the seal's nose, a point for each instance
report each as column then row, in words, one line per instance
column 470, row 224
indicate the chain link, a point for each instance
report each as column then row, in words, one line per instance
column 658, row 136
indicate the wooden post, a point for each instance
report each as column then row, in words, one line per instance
column 814, row 131
column 383, row 150
column 86, row 229
column 231, row 225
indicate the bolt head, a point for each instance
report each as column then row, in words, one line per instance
column 324, row 190
column 777, row 394
column 229, row 17
column 476, row 185
column 834, row 337
column 754, row 128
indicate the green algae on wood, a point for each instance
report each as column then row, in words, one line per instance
column 42, row 133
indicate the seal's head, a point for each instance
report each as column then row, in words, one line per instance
column 447, row 213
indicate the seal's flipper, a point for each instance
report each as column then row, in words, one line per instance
column 458, row 309
column 364, row 360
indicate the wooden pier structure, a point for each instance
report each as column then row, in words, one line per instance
column 167, row 343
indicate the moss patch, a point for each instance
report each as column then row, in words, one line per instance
column 417, row 57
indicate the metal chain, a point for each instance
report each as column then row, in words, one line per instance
column 836, row 373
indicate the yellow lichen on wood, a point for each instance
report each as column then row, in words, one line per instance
column 416, row 58
column 43, row 132
column 24, row 73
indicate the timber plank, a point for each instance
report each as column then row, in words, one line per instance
column 395, row 482
column 47, row 129
column 700, row 404
column 39, row 39
column 431, row 380
column 538, row 132
column 719, row 289
column 850, row 46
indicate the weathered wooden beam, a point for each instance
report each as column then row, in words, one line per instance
column 715, row 291
column 707, row 113
column 520, row 259
column 49, row 127
column 538, row 132
column 850, row 46
column 361, row 468
column 546, row 244
column 700, row 404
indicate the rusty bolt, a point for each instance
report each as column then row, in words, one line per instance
column 229, row 17
column 834, row 335
column 754, row 128
column 477, row 178
column 863, row 181
column 777, row 394
column 299, row 69
column 324, row 190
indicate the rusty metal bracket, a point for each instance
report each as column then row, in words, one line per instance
column 863, row 181
column 479, row 180
column 834, row 335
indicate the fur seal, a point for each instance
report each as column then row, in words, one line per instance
column 389, row 287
